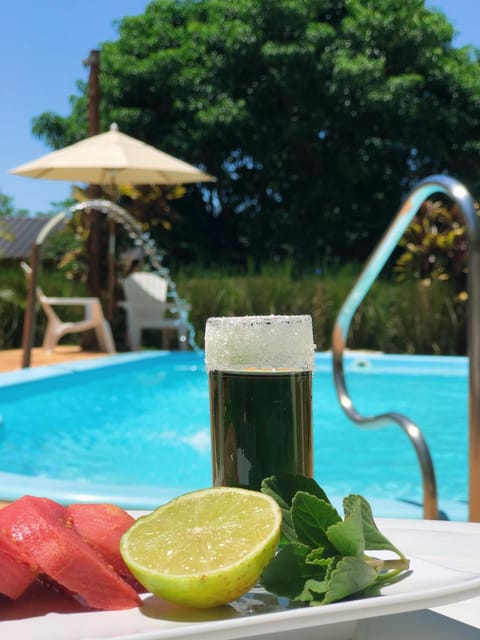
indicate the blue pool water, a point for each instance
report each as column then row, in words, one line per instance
column 134, row 428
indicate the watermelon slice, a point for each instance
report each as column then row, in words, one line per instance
column 41, row 528
column 101, row 526
column 16, row 573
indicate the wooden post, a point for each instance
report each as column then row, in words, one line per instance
column 93, row 61
column 29, row 322
column 30, row 311
column 94, row 191
column 111, row 271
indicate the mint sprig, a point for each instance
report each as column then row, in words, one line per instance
column 322, row 557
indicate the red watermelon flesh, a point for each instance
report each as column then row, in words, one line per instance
column 16, row 573
column 41, row 528
column 101, row 526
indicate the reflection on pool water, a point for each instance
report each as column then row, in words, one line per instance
column 134, row 429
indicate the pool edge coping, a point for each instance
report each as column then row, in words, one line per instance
column 354, row 361
column 33, row 374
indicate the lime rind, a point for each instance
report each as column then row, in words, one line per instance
column 204, row 548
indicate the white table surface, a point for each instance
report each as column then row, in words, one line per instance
column 467, row 558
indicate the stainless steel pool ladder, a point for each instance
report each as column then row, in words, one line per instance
column 459, row 194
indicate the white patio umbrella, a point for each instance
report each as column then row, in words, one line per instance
column 112, row 158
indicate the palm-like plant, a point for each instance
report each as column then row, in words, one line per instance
column 435, row 248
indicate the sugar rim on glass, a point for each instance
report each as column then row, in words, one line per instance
column 265, row 343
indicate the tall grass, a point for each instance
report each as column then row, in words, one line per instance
column 395, row 317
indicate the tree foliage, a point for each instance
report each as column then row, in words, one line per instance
column 316, row 116
column 8, row 208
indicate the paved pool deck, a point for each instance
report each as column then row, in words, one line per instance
column 11, row 359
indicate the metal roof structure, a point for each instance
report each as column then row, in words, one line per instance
column 21, row 232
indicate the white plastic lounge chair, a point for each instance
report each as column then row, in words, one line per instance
column 56, row 328
column 147, row 307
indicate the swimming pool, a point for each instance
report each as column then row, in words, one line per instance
column 134, row 429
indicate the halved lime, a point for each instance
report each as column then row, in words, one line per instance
column 204, row 548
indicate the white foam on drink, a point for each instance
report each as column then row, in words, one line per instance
column 259, row 342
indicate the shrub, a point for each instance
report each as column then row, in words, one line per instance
column 413, row 316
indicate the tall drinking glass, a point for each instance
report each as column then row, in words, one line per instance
column 260, row 379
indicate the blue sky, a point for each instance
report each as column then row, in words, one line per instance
column 43, row 44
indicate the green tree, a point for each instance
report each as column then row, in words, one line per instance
column 8, row 208
column 315, row 115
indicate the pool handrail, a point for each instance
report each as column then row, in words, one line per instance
column 460, row 195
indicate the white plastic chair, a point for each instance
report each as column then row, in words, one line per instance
column 57, row 328
column 147, row 307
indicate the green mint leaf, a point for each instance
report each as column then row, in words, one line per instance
column 374, row 539
column 283, row 488
column 312, row 517
column 350, row 576
column 382, row 579
column 347, row 536
column 314, row 590
column 288, row 530
column 287, row 573
column 318, row 556
column 324, row 560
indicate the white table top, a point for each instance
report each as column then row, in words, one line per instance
column 466, row 558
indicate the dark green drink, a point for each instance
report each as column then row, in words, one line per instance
column 260, row 375
column 261, row 425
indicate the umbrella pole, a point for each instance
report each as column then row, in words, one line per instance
column 111, row 270
column 29, row 321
